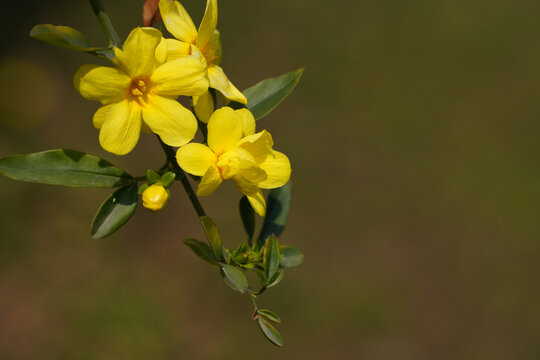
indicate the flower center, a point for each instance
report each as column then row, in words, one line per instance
column 139, row 87
column 209, row 54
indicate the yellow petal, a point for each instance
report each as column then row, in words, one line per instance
column 210, row 181
column 245, row 186
column 208, row 23
column 195, row 158
column 121, row 128
column 203, row 106
column 101, row 115
column 196, row 53
column 177, row 48
column 177, row 20
column 182, row 76
column 225, row 129
column 278, row 170
column 174, row 124
column 236, row 160
column 162, row 51
column 219, row 81
column 257, row 202
column 248, row 120
column 254, row 174
column 259, row 145
column 101, row 83
column 138, row 57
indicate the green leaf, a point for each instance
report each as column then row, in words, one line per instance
column 290, row 256
column 152, row 176
column 167, row 179
column 269, row 315
column 270, row 332
column 277, row 210
column 213, row 236
column 235, row 278
column 276, row 279
column 107, row 53
column 202, row 250
column 261, row 276
column 115, row 211
column 271, row 257
column 248, row 217
column 63, row 36
column 64, row 167
column 267, row 94
column 68, row 38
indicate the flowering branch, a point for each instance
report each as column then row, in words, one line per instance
column 139, row 95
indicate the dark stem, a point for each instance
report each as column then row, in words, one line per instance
column 171, row 158
column 105, row 22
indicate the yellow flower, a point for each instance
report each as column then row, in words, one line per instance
column 203, row 43
column 235, row 152
column 140, row 93
column 155, row 197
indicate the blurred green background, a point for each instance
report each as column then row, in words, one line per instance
column 414, row 142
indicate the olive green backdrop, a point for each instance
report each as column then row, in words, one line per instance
column 413, row 137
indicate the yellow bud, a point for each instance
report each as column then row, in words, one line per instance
column 155, row 197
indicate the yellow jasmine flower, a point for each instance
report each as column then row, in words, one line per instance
column 203, row 43
column 235, row 152
column 140, row 92
column 155, row 197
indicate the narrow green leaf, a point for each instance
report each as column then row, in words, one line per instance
column 290, row 256
column 213, row 236
column 270, row 332
column 167, row 179
column 277, row 210
column 276, row 279
column 63, row 36
column 235, row 278
column 107, row 53
column 269, row 315
column 248, row 217
column 64, row 167
column 152, row 176
column 68, row 38
column 115, row 211
column 268, row 94
column 271, row 257
column 202, row 250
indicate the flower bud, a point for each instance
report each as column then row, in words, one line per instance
column 155, row 197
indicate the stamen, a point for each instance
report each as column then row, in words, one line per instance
column 138, row 88
column 142, row 86
column 136, row 92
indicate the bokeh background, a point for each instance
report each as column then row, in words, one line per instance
column 414, row 141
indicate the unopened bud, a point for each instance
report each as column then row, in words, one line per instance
column 155, row 197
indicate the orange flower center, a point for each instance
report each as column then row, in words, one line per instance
column 139, row 87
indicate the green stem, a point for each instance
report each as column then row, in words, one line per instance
column 105, row 22
column 253, row 302
column 171, row 157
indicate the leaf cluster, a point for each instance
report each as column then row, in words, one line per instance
column 265, row 257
